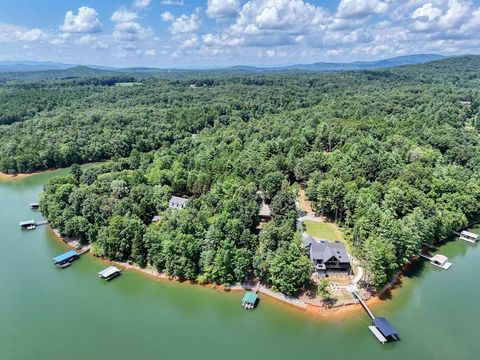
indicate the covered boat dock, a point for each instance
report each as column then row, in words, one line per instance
column 249, row 300
column 63, row 260
column 109, row 273
column 469, row 236
column 27, row 224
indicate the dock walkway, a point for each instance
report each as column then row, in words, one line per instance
column 364, row 304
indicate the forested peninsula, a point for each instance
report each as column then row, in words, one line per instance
column 392, row 156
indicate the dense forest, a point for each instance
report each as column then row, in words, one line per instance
column 393, row 156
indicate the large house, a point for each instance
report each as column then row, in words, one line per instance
column 177, row 202
column 327, row 257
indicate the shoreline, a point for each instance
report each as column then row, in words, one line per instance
column 320, row 311
column 5, row 176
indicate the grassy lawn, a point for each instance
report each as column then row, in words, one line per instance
column 323, row 230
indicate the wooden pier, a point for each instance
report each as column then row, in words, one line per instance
column 364, row 304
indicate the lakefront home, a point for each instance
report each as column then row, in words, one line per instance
column 327, row 257
column 177, row 202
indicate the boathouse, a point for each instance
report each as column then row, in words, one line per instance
column 109, row 273
column 177, row 202
column 386, row 329
column 27, row 224
column 34, row 205
column 468, row 236
column 65, row 258
column 249, row 300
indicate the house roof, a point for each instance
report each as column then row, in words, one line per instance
column 384, row 326
column 307, row 240
column 177, row 202
column 65, row 256
column 156, row 218
column 324, row 250
column 109, row 271
column 264, row 208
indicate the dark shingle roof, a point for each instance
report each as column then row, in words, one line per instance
column 384, row 326
column 325, row 250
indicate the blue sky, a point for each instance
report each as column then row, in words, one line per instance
column 210, row 33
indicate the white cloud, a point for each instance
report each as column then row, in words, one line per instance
column 222, row 8
column 185, row 24
column 150, row 53
column 141, row 4
column 31, row 35
column 167, row 16
column 15, row 33
column 274, row 22
column 123, row 15
column 127, row 32
column 85, row 21
column 360, row 8
column 92, row 41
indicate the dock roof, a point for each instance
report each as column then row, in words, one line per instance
column 384, row 326
column 65, row 256
column 250, row 297
column 469, row 234
column 27, row 222
column 109, row 271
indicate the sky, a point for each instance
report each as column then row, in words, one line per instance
column 216, row 33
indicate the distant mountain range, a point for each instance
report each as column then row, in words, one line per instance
column 24, row 66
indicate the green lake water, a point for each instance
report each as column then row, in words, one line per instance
column 49, row 314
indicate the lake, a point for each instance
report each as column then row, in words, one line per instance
column 49, row 314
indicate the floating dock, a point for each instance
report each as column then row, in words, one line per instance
column 34, row 205
column 438, row 260
column 381, row 327
column 249, row 300
column 28, row 224
column 468, row 236
column 66, row 258
column 109, row 273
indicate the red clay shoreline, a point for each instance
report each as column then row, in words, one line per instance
column 321, row 312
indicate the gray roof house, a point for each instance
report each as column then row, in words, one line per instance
column 327, row 256
column 177, row 202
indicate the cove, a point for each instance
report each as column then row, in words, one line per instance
column 46, row 313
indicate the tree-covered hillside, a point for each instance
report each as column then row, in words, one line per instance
column 391, row 155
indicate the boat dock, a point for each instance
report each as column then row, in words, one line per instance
column 467, row 236
column 109, row 273
column 64, row 260
column 34, row 205
column 438, row 260
column 32, row 224
column 381, row 327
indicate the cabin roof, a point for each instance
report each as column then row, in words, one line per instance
column 109, row 271
column 156, row 218
column 65, row 256
column 250, row 297
column 384, row 326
